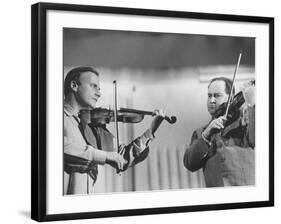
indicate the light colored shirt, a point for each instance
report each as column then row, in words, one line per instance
column 76, row 146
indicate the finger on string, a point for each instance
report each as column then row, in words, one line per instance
column 221, row 125
column 218, row 126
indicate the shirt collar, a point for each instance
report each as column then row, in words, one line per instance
column 69, row 110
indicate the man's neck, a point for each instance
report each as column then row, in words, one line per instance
column 75, row 106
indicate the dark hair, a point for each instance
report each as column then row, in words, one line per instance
column 227, row 82
column 74, row 75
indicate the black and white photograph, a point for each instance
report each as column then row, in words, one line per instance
column 143, row 112
column 140, row 111
column 184, row 105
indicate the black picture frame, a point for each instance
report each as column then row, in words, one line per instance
column 39, row 109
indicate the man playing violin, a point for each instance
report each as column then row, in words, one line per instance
column 227, row 159
column 83, row 144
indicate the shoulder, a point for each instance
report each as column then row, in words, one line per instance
column 66, row 116
column 68, row 120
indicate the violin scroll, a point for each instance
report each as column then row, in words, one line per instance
column 171, row 120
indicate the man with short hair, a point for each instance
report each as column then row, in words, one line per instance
column 227, row 160
column 82, row 144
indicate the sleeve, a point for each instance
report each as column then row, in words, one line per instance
column 251, row 126
column 137, row 150
column 80, row 157
column 197, row 153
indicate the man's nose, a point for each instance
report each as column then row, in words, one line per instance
column 212, row 99
column 97, row 93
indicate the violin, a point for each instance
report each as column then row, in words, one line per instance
column 233, row 111
column 232, row 122
column 102, row 116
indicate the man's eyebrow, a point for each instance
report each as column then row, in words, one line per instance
column 215, row 93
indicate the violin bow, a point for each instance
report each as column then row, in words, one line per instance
column 115, row 114
column 232, row 85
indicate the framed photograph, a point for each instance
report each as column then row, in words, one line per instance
column 138, row 111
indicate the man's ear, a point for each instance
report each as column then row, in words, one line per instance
column 74, row 86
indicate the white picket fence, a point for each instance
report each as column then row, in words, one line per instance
column 163, row 169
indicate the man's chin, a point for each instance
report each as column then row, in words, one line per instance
column 89, row 107
column 92, row 106
column 212, row 112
